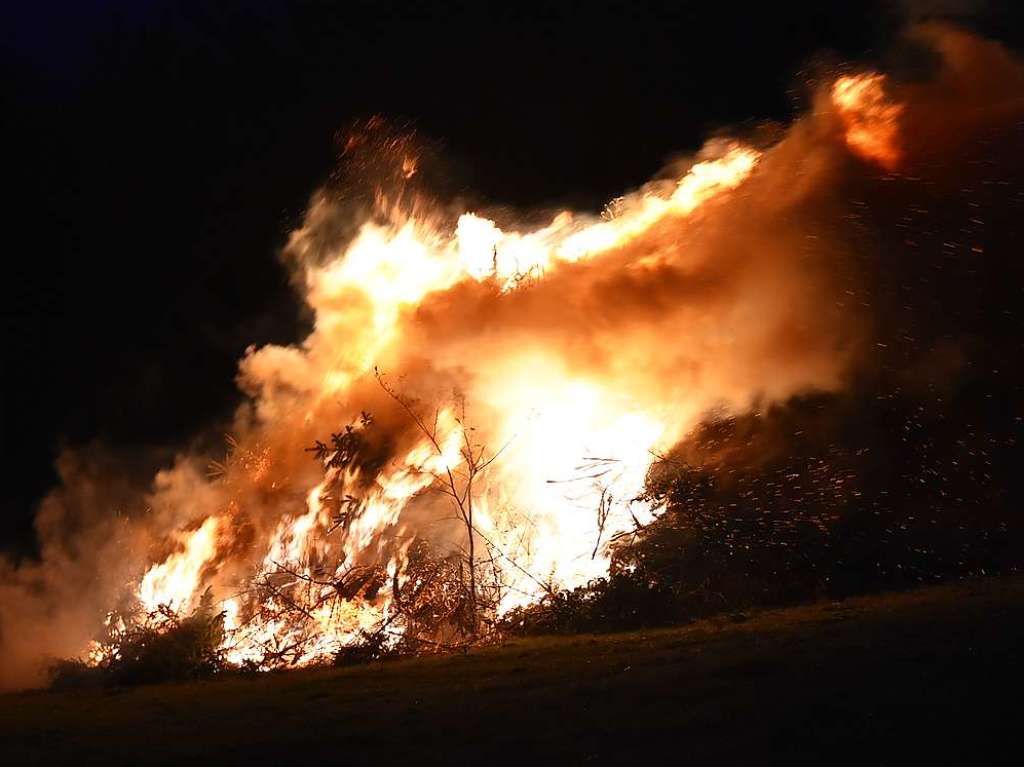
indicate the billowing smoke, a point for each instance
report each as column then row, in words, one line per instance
column 571, row 353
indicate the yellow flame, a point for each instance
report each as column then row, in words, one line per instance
column 173, row 582
column 485, row 250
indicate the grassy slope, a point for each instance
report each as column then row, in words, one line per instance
column 879, row 679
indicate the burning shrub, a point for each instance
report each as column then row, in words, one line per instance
column 159, row 647
column 433, row 599
column 177, row 649
column 431, row 611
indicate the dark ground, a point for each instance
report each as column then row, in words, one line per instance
column 928, row 676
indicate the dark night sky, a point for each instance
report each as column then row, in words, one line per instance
column 158, row 152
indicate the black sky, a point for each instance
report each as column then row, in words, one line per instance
column 158, row 152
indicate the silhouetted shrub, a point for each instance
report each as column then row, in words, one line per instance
column 73, row 674
column 621, row 601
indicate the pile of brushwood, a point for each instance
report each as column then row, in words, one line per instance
column 825, row 496
column 430, row 613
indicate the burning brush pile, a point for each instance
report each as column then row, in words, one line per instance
column 786, row 367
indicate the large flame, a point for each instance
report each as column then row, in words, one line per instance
column 570, row 450
column 520, row 419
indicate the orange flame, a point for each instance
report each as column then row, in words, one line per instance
column 870, row 118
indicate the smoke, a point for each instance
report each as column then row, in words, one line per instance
column 741, row 281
